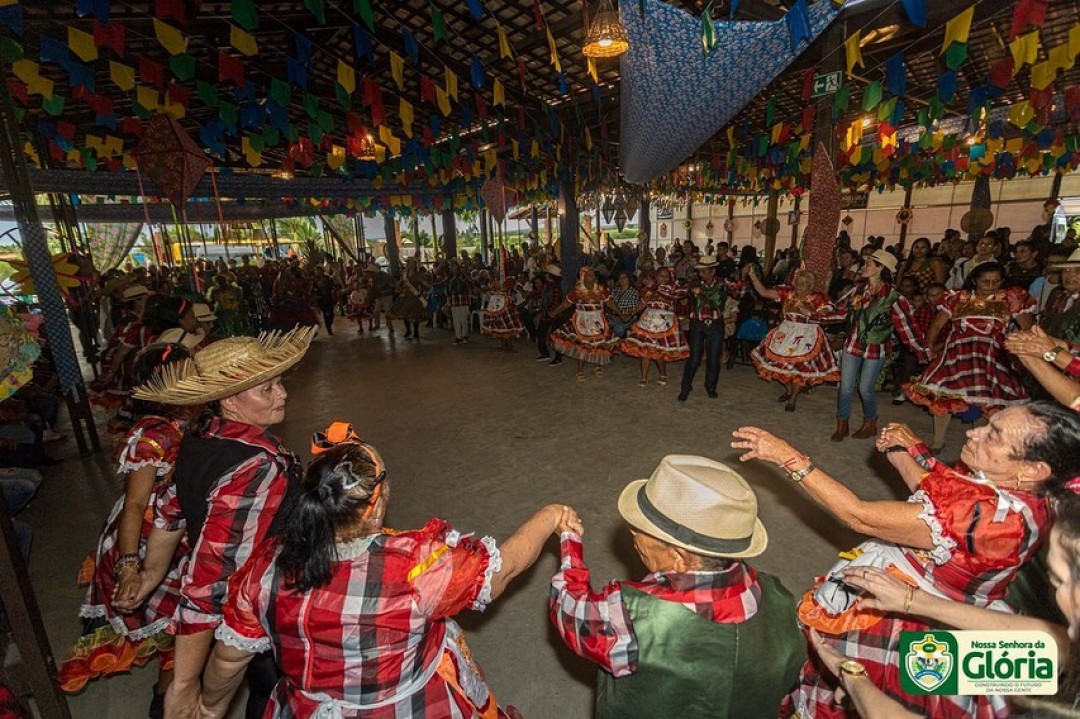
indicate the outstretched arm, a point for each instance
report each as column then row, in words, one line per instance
column 523, row 547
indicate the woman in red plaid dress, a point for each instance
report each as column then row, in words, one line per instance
column 359, row 617
column 112, row 641
column 796, row 352
column 587, row 336
column 963, row 534
column 973, row 368
column 656, row 336
column 501, row 320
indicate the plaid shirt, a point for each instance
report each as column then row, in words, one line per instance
column 903, row 321
column 626, row 300
column 923, row 315
column 597, row 625
column 240, row 508
column 374, row 631
column 550, row 298
column 457, row 292
column 707, row 301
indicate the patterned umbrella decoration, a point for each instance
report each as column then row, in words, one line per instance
column 824, row 218
column 64, row 267
column 171, row 158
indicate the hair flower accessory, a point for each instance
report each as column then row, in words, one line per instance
column 337, row 433
column 1073, row 485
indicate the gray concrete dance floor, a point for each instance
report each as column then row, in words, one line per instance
column 483, row 439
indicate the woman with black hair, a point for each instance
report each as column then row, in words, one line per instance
column 874, row 312
column 360, row 617
column 962, row 535
column 971, row 367
column 163, row 312
column 114, row 637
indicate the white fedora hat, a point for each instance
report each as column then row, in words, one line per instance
column 698, row 504
column 1072, row 261
column 707, row 261
column 553, row 270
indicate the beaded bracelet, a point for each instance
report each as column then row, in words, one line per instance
column 127, row 560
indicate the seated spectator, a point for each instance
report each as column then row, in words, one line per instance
column 1025, row 268
column 17, row 487
column 622, row 305
column 666, row 645
column 1042, row 287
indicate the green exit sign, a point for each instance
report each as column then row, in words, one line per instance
column 827, row 84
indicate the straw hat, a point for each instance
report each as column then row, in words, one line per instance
column 885, row 259
column 227, row 367
column 553, row 270
column 698, row 504
column 1071, row 263
column 707, row 261
column 135, row 292
column 203, row 313
column 179, row 336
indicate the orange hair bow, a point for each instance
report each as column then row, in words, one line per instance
column 337, row 433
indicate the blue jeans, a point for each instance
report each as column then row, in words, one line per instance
column 620, row 328
column 863, row 373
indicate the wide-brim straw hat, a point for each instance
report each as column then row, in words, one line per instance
column 203, row 313
column 884, row 258
column 553, row 270
column 707, row 261
column 1073, row 261
column 697, row 504
column 227, row 367
column 135, row 292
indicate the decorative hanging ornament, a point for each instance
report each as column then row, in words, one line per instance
column 631, row 204
column 709, row 229
column 171, row 159
column 904, row 216
column 620, row 219
column 606, row 36
column 848, row 221
column 609, row 210
column 687, row 224
column 730, row 225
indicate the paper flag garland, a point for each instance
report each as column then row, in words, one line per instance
column 957, row 29
column 853, row 52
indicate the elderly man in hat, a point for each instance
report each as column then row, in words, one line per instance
column 704, row 634
column 706, row 337
column 550, row 298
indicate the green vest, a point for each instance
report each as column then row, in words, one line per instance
column 873, row 324
column 693, row 668
column 1065, row 326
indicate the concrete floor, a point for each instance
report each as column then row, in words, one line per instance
column 483, row 439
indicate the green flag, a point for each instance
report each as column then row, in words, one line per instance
column 10, row 50
column 955, row 55
column 363, row 9
column 280, row 91
column 871, row 96
column 183, row 66
column 438, row 24
column 207, row 93
column 54, row 105
column 708, row 30
column 245, row 14
column 316, row 8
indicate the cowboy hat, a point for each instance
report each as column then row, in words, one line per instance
column 135, row 292
column 698, row 504
column 1072, row 262
column 553, row 270
column 884, row 258
column 203, row 313
column 707, row 261
column 227, row 367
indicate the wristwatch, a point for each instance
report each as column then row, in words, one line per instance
column 852, row 668
column 798, row 475
column 1052, row 355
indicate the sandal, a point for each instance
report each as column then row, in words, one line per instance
column 598, row 371
column 662, row 381
column 642, row 382
column 580, row 376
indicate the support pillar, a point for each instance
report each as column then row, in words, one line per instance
column 645, row 223
column 434, row 234
column 980, row 200
column 731, row 223
column 534, row 223
column 569, row 231
column 393, row 253
column 449, row 228
column 416, row 233
column 904, row 226
column 358, row 224
column 798, row 220
column 273, row 239
column 689, row 218
column 485, row 240
column 772, row 228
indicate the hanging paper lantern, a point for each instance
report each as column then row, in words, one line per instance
column 620, row 219
column 608, row 210
column 904, row 216
column 171, row 159
column 730, row 225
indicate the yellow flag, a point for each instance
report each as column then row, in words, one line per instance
column 451, row 82
column 397, row 69
column 853, row 52
column 82, row 44
column 956, row 30
column 147, row 97
column 1059, row 58
column 346, row 76
column 504, row 44
column 491, row 158
column 592, row 71
column 515, row 149
column 500, row 95
column 93, row 142
column 336, row 157
column 113, row 146
column 170, row 38
column 393, row 145
column 1021, row 113
column 443, row 100
column 1041, row 75
column 804, row 142
column 731, row 136
column 405, row 112
column 40, row 86
column 253, row 156
column 554, row 50
column 1025, row 50
column 122, row 75
column 174, row 109
column 380, row 157
column 534, row 150
column 776, row 130
column 245, row 42
column 25, row 70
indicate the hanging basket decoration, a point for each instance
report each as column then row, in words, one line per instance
column 607, row 36
column 904, row 216
column 171, row 159
column 620, row 219
column 631, row 205
column 848, row 221
column 687, row 224
column 730, row 225
column 977, row 221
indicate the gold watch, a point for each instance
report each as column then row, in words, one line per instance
column 1052, row 355
column 852, row 668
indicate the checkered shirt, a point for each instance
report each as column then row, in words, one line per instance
column 373, row 630
column 626, row 300
column 903, row 321
column 597, row 625
column 239, row 512
column 923, row 315
column 457, row 292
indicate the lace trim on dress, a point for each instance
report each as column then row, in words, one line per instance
column 127, row 467
column 494, row 565
column 227, row 635
column 943, row 546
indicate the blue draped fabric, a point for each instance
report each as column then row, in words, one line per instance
column 674, row 97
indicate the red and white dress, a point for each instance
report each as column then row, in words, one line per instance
column 587, row 336
column 501, row 319
column 974, row 368
column 377, row 640
column 130, row 337
column 796, row 351
column 114, row 642
column 982, row 534
column 656, row 334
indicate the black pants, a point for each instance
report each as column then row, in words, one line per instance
column 527, row 320
column 262, row 676
column 543, row 330
column 903, row 369
column 708, row 340
column 328, row 317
